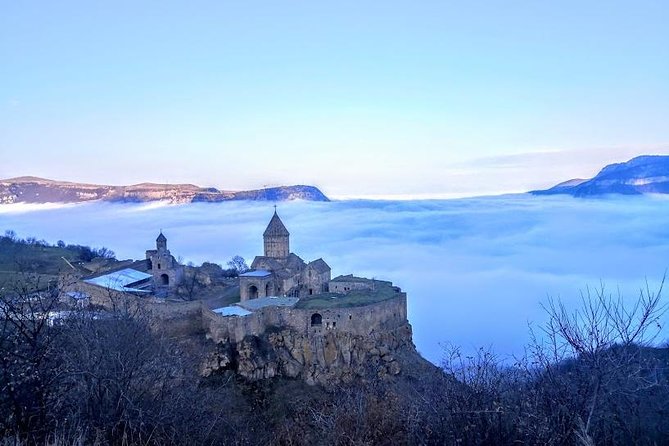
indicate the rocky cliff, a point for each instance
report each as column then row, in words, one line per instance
column 640, row 175
column 40, row 190
column 326, row 359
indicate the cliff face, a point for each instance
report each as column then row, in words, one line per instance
column 326, row 359
column 39, row 190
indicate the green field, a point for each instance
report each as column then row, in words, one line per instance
column 357, row 298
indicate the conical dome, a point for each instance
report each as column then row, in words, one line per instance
column 161, row 241
column 276, row 227
column 276, row 239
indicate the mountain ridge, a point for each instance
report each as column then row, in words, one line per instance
column 640, row 175
column 31, row 189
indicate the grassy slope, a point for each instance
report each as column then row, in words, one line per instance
column 384, row 291
column 47, row 262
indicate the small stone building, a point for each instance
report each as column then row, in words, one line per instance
column 348, row 283
column 166, row 271
column 280, row 272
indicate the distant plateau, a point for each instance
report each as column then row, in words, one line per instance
column 647, row 174
column 40, row 190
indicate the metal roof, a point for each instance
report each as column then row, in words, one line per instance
column 256, row 273
column 232, row 311
column 120, row 280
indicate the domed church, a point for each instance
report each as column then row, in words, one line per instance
column 280, row 272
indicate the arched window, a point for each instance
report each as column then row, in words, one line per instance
column 164, row 279
column 316, row 320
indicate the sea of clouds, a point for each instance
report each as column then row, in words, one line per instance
column 476, row 270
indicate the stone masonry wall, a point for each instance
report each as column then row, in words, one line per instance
column 363, row 321
column 343, row 287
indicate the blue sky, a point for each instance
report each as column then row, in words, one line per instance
column 360, row 98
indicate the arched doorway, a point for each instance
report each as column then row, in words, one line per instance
column 316, row 320
column 164, row 279
column 268, row 290
column 253, row 292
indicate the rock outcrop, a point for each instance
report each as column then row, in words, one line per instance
column 330, row 358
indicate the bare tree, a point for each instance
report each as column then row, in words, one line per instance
column 238, row 264
column 593, row 363
column 28, row 307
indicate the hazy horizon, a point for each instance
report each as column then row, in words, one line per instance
column 514, row 161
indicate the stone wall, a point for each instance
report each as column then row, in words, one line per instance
column 194, row 317
column 363, row 321
column 178, row 318
column 346, row 344
column 164, row 266
column 264, row 286
column 343, row 287
column 276, row 246
column 315, row 282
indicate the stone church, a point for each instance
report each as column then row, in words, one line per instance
column 166, row 271
column 280, row 272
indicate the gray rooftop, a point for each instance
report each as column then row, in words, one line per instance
column 120, row 280
column 256, row 273
column 233, row 310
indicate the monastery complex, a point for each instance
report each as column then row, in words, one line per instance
column 359, row 318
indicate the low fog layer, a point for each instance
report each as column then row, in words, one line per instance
column 475, row 270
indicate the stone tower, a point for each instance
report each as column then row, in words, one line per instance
column 166, row 271
column 161, row 242
column 276, row 238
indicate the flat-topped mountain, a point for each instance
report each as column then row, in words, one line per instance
column 640, row 175
column 40, row 190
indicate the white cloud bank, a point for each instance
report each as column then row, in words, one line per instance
column 475, row 270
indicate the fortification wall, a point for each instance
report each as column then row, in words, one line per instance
column 178, row 318
column 363, row 321
column 99, row 295
column 191, row 318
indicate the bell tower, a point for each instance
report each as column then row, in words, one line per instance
column 161, row 242
column 276, row 238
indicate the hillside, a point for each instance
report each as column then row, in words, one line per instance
column 640, row 175
column 40, row 190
